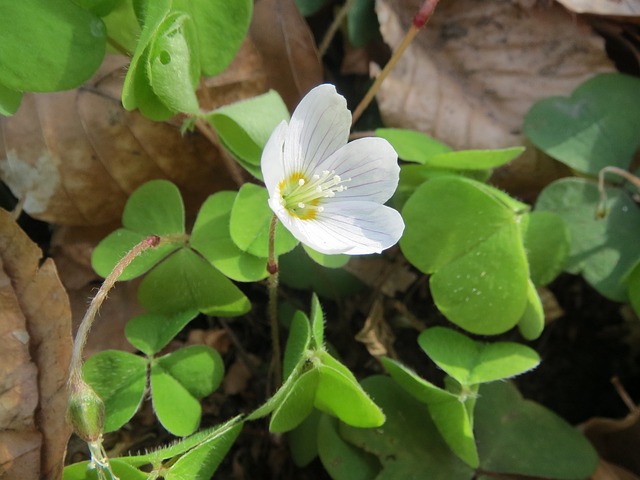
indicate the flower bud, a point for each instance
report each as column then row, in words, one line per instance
column 85, row 412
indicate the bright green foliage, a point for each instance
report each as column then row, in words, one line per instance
column 180, row 41
column 329, row 261
column 81, row 471
column 244, row 127
column 181, row 277
column 467, row 236
column 151, row 332
column 123, row 27
column 547, row 243
column 595, row 127
column 56, row 37
column 603, row 250
column 184, row 281
column 520, row 437
column 407, row 445
column 201, row 462
column 413, row 146
column 515, row 436
column 470, row 362
column 531, row 323
column 448, row 411
column 211, row 238
column 9, row 100
column 315, row 379
column 119, row 379
column 172, row 72
column 178, row 381
column 317, row 323
column 416, row 147
column 196, row 457
column 155, row 209
column 250, row 222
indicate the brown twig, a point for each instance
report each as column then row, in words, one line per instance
column 333, row 28
column 419, row 21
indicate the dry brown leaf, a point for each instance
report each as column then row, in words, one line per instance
column 238, row 375
column 216, row 338
column 477, row 67
column 35, row 349
column 74, row 157
column 287, row 48
column 244, row 78
column 608, row 471
column 622, row 8
column 376, row 334
column 616, row 440
column 551, row 307
column 475, row 70
column 390, row 278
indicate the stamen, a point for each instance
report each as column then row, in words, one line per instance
column 302, row 196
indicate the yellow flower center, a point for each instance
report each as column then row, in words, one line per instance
column 302, row 197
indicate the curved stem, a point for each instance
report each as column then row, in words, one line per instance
column 601, row 210
column 419, row 21
column 75, row 367
column 272, row 267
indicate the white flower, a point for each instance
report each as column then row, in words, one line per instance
column 327, row 192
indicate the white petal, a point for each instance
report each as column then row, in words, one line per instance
column 272, row 161
column 372, row 165
column 319, row 126
column 355, row 228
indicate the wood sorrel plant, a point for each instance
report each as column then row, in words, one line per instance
column 484, row 251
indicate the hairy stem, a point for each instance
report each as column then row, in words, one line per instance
column 272, row 267
column 419, row 21
column 75, row 367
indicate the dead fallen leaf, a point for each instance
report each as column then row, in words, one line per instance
column 608, row 471
column 244, row 78
column 551, row 307
column 74, row 157
column 287, row 48
column 35, row 349
column 216, row 338
column 390, row 278
column 621, row 8
column 616, row 440
column 238, row 375
column 477, row 67
column 376, row 334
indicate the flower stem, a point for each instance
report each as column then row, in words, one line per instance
column 272, row 268
column 75, row 367
column 419, row 21
column 601, row 210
